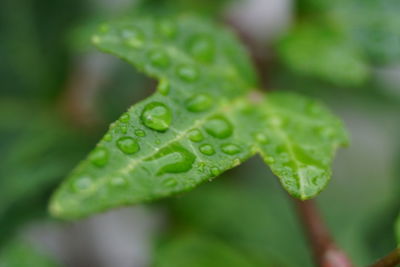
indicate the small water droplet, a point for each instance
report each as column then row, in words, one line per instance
column 118, row 182
column 195, row 135
column 215, row 171
column 187, row 73
column 207, row 149
column 123, row 129
column 199, row 102
column 230, row 149
column 156, row 116
column 124, row 118
column 163, row 87
column 128, row 145
column 99, row 156
column 170, row 182
column 140, row 133
column 202, row 48
column 219, row 127
column 82, row 183
column 159, row 58
column 269, row 160
column 173, row 159
column 167, row 28
column 262, row 138
column 107, row 137
column 132, row 37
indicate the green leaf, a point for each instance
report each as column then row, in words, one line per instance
column 202, row 121
column 320, row 50
column 298, row 142
column 18, row 253
column 199, row 251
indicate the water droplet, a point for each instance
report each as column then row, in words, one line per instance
column 128, row 145
column 159, row 58
column 269, row 160
column 219, row 127
column 187, row 73
column 124, row 118
column 140, row 133
column 207, row 149
column 82, row 183
column 236, row 162
column 132, row 37
column 262, row 138
column 170, row 182
column 199, row 102
column 163, row 87
column 202, row 48
column 156, row 116
column 123, row 129
column 167, row 28
column 107, row 137
column 215, row 171
column 173, row 159
column 118, row 182
column 195, row 135
column 99, row 156
column 230, row 149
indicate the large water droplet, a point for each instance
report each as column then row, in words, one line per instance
column 156, row 116
column 230, row 149
column 163, row 87
column 140, row 133
column 132, row 37
column 159, row 58
column 219, row 127
column 128, row 145
column 202, row 47
column 199, row 102
column 187, row 73
column 173, row 159
column 99, row 156
column 207, row 149
column 82, row 183
column 195, row 135
column 124, row 118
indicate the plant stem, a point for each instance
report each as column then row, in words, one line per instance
column 390, row 260
column 326, row 253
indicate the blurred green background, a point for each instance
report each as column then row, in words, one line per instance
column 58, row 95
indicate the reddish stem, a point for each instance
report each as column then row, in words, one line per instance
column 390, row 260
column 326, row 253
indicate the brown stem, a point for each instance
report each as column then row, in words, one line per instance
column 390, row 260
column 326, row 253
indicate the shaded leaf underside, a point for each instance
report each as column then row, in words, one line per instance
column 200, row 122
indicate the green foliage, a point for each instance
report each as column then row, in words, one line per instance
column 203, row 120
column 21, row 254
column 198, row 251
column 397, row 229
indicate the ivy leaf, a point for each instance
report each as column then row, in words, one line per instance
column 197, row 251
column 298, row 142
column 202, row 121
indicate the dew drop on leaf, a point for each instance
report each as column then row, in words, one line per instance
column 82, row 183
column 199, row 102
column 99, row 156
column 215, row 171
column 219, row 127
column 173, row 159
column 262, row 138
column 230, row 149
column 163, row 87
column 128, row 145
column 187, row 73
column 170, row 182
column 140, row 133
column 159, row 58
column 123, row 129
column 202, row 48
column 118, row 182
column 207, row 149
column 195, row 135
column 108, row 137
column 156, row 116
column 124, row 118
column 132, row 37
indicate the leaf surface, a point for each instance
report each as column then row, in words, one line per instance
column 204, row 119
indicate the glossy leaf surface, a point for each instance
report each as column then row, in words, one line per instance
column 203, row 120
